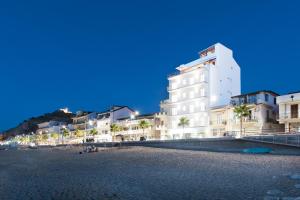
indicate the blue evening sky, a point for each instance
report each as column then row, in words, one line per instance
column 92, row 54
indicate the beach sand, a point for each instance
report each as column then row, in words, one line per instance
column 144, row 173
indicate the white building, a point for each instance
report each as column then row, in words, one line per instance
column 50, row 127
column 261, row 119
column 131, row 130
column 198, row 86
column 289, row 111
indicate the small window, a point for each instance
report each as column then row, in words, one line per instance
column 275, row 101
column 266, row 97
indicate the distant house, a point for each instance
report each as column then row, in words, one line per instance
column 131, row 131
column 50, row 127
column 262, row 118
column 289, row 111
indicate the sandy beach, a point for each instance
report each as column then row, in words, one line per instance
column 143, row 173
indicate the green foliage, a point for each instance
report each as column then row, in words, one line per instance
column 241, row 111
column 94, row 132
column 79, row 133
column 54, row 136
column 115, row 128
column 66, row 132
column 45, row 137
column 183, row 122
column 143, row 124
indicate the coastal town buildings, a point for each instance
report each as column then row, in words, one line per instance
column 262, row 118
column 198, row 86
column 131, row 130
column 50, row 127
column 289, row 111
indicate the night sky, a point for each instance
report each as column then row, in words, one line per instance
column 93, row 54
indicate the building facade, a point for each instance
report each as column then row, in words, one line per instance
column 197, row 87
column 289, row 111
column 130, row 129
column 262, row 117
column 50, row 127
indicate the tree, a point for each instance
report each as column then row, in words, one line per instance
column 54, row 136
column 78, row 133
column 65, row 132
column 114, row 128
column 93, row 132
column 45, row 137
column 241, row 112
column 143, row 124
column 183, row 122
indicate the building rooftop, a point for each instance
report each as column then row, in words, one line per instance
column 256, row 92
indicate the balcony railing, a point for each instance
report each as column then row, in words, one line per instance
column 292, row 115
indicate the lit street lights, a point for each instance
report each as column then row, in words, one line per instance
column 90, row 122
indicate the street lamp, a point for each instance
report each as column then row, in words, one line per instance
column 62, row 133
column 90, row 122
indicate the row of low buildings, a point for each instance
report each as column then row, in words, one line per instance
column 204, row 91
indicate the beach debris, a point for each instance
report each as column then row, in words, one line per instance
column 297, row 186
column 271, row 198
column 89, row 149
column 295, row 176
column 274, row 192
column 257, row 150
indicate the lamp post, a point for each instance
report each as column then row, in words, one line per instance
column 62, row 133
column 132, row 117
column 90, row 122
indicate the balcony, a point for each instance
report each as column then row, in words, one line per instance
column 289, row 117
column 170, row 89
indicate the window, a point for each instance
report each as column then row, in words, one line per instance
column 202, row 106
column 184, row 82
column 202, row 92
column 191, row 80
column 174, row 111
column 219, row 119
column 202, row 77
column 192, row 94
column 191, row 108
column 266, row 97
column 274, row 100
column 184, row 95
column 184, row 108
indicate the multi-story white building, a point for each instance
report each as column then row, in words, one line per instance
column 289, row 111
column 198, row 86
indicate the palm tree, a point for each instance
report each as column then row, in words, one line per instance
column 78, row 133
column 93, row 132
column 183, row 122
column 143, row 124
column 55, row 136
column 241, row 112
column 114, row 128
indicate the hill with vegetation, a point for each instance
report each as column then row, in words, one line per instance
column 31, row 125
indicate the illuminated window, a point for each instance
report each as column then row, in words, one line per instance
column 192, row 94
column 191, row 108
column 202, row 92
column 202, row 106
column 174, row 111
column 191, row 80
column 202, row 77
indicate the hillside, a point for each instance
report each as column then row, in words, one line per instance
column 30, row 125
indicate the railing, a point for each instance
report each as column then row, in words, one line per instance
column 292, row 115
column 283, row 139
